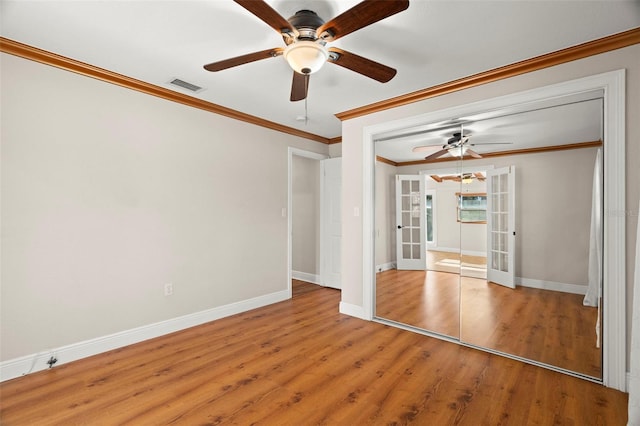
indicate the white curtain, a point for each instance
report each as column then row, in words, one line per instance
column 592, row 297
column 634, row 379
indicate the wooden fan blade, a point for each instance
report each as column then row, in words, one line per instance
column 473, row 153
column 268, row 15
column 425, row 148
column 299, row 86
column 364, row 66
column 491, row 143
column 244, row 59
column 360, row 16
column 436, row 154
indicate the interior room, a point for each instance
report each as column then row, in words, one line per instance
column 221, row 212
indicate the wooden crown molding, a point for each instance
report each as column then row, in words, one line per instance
column 595, row 47
column 538, row 150
column 386, row 160
column 580, row 51
column 32, row 53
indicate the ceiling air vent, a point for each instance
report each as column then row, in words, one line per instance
column 186, row 85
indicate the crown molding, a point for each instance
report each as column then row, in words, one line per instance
column 595, row 47
column 48, row 58
column 580, row 51
column 386, row 161
column 591, row 144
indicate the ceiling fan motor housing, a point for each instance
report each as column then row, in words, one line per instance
column 306, row 55
column 456, row 137
column 306, row 22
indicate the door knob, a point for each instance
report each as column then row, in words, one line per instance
column 399, row 226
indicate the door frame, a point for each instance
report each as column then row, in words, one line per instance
column 425, row 173
column 613, row 87
column 287, row 211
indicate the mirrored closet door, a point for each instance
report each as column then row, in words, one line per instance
column 416, row 285
column 506, row 212
column 548, row 313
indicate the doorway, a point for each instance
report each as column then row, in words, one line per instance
column 314, row 218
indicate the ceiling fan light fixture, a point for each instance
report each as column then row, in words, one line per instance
column 306, row 57
column 458, row 151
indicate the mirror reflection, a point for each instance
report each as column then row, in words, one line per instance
column 495, row 240
column 420, row 286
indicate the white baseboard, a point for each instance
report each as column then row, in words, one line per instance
column 353, row 310
column 551, row 285
column 306, row 277
column 385, row 266
column 36, row 362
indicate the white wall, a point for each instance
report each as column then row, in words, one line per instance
column 305, row 187
column 628, row 58
column 108, row 194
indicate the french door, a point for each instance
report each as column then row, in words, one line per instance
column 410, row 218
column 501, row 226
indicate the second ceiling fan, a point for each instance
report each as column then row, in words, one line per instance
column 306, row 35
column 457, row 146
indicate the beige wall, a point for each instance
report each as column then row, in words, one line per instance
column 108, row 194
column 305, row 188
column 627, row 58
column 385, row 240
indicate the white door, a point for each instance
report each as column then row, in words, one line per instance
column 331, row 222
column 501, row 234
column 410, row 212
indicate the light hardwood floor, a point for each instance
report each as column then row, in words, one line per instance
column 300, row 362
column 551, row 327
column 545, row 326
column 430, row 300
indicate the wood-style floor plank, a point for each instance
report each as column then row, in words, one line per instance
column 300, row 362
column 428, row 300
column 551, row 327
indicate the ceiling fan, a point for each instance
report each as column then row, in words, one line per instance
column 460, row 177
column 306, row 35
column 457, row 145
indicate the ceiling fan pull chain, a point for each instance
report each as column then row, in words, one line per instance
column 306, row 113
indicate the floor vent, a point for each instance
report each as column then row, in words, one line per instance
column 186, row 85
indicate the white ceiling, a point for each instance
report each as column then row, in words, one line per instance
column 430, row 43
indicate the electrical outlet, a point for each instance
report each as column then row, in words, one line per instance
column 168, row 289
column 52, row 361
